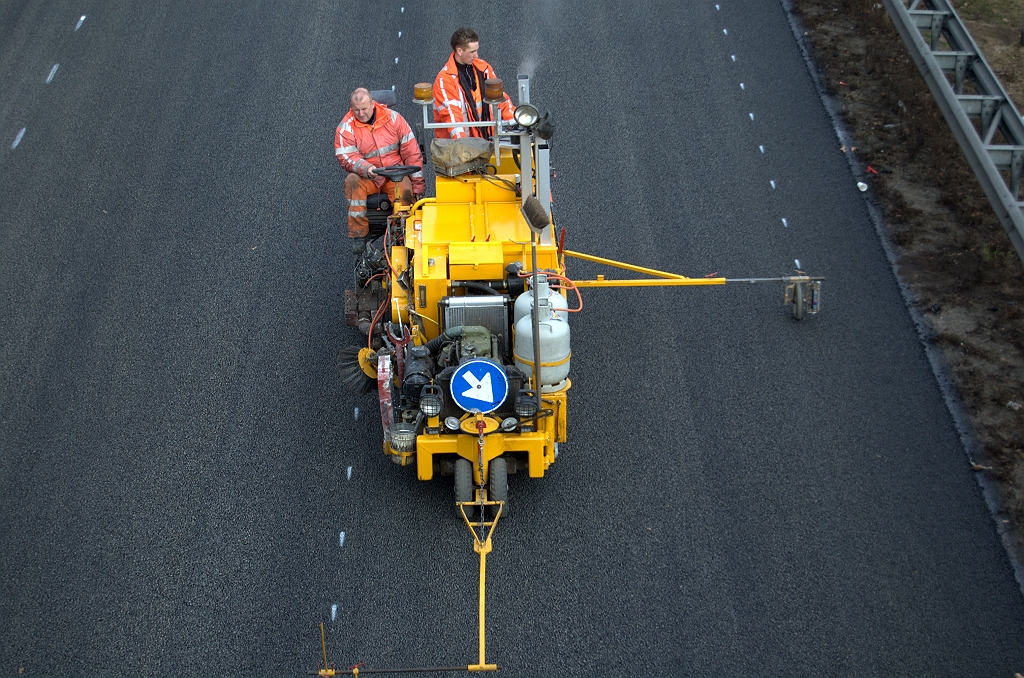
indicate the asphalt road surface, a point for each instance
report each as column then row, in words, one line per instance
column 186, row 489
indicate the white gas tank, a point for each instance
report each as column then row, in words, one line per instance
column 554, row 346
column 524, row 302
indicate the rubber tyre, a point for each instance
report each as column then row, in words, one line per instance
column 464, row 485
column 498, row 485
column 798, row 301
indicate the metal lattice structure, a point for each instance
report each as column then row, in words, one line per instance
column 983, row 119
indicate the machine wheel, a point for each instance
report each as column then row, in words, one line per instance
column 464, row 485
column 798, row 301
column 498, row 485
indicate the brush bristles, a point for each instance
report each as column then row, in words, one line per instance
column 533, row 212
column 352, row 374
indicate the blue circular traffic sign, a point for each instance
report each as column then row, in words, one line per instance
column 479, row 386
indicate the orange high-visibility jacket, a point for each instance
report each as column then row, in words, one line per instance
column 388, row 141
column 450, row 101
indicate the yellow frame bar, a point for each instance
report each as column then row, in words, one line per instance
column 661, row 278
column 622, row 264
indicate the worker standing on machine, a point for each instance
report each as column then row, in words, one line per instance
column 459, row 88
column 369, row 136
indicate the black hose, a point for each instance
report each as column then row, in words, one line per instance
column 480, row 287
column 450, row 334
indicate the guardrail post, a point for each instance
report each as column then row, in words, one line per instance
column 990, row 103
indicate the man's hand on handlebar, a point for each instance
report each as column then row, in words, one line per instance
column 371, row 173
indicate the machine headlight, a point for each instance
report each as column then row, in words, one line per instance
column 526, row 403
column 526, row 115
column 452, row 424
column 509, row 424
column 403, row 437
column 431, row 400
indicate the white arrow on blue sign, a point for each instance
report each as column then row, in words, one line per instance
column 479, row 386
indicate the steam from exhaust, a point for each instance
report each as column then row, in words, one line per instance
column 528, row 65
column 546, row 13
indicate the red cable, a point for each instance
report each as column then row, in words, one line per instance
column 571, row 285
column 373, row 323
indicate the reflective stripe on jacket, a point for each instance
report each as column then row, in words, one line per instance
column 389, row 141
column 450, row 102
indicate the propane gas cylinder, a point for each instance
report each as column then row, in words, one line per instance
column 554, row 346
column 524, row 302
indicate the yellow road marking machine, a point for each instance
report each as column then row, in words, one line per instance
column 466, row 301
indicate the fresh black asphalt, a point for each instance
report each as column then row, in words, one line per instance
column 741, row 494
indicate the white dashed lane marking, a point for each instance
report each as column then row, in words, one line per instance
column 348, row 473
column 80, row 22
column 17, row 139
column 53, row 72
column 341, row 539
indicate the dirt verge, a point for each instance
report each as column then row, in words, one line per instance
column 963, row 274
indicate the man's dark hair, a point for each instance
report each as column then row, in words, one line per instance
column 462, row 38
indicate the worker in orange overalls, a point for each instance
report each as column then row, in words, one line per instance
column 370, row 136
column 459, row 89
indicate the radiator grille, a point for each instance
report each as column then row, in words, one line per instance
column 489, row 311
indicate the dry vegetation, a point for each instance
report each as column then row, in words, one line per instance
column 963, row 272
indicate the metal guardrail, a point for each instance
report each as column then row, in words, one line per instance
column 946, row 69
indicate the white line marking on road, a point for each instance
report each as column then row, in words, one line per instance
column 797, row 262
column 341, row 539
column 762, row 148
column 399, row 33
column 392, row 88
column 80, row 22
column 772, row 182
column 751, row 116
column 357, row 414
column 396, row 60
column 743, row 87
column 718, row 7
column 334, row 612
column 726, row 31
column 733, row 57
column 403, row 10
column 17, row 139
column 783, row 223
column 348, row 473
column 53, row 72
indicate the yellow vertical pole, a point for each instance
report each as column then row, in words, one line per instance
column 483, row 548
column 483, row 607
column 323, row 643
column 325, row 671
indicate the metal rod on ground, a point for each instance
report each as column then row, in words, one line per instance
column 425, row 669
